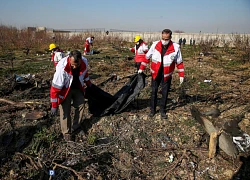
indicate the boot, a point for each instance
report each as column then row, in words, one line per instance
column 151, row 114
column 163, row 115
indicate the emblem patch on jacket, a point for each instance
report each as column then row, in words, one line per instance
column 172, row 57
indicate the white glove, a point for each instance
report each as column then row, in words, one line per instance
column 139, row 71
column 130, row 49
column 181, row 80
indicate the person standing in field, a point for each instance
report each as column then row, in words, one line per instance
column 68, row 85
column 184, row 41
column 180, row 41
column 88, row 43
column 56, row 53
column 165, row 55
column 140, row 49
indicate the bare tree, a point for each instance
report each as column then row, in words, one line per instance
column 26, row 40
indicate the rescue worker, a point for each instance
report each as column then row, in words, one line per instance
column 88, row 42
column 140, row 50
column 69, row 84
column 165, row 56
column 56, row 53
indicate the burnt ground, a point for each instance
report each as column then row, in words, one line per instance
column 128, row 145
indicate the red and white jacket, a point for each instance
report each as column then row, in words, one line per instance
column 88, row 41
column 56, row 56
column 140, row 55
column 171, row 59
column 63, row 78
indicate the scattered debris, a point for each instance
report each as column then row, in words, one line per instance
column 34, row 115
column 225, row 139
column 207, row 81
column 243, row 142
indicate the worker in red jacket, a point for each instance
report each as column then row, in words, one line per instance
column 69, row 84
column 140, row 50
column 56, row 53
column 88, row 43
column 165, row 55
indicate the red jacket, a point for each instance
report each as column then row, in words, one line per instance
column 88, row 41
column 63, row 78
column 140, row 55
column 171, row 59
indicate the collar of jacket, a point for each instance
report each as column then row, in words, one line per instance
column 69, row 70
column 170, row 49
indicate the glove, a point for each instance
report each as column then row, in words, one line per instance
column 181, row 80
column 139, row 71
column 53, row 111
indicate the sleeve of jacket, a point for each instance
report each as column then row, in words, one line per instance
column 150, row 51
column 52, row 56
column 145, row 48
column 145, row 61
column 90, row 41
column 132, row 50
column 86, row 77
column 144, row 65
column 180, row 64
column 85, row 60
column 58, row 56
column 56, row 87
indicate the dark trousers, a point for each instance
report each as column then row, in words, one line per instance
column 137, row 65
column 165, row 89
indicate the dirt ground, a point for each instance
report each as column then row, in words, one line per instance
column 128, row 145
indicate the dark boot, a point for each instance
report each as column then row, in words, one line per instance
column 151, row 114
column 164, row 116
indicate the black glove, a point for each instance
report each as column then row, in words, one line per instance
column 53, row 111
